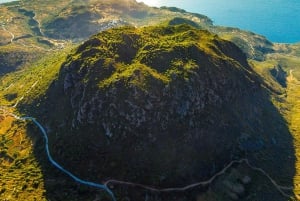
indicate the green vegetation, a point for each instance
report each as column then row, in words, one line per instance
column 158, row 52
column 285, row 63
column 32, row 81
column 293, row 116
column 291, row 63
column 118, row 82
column 145, row 61
column 140, row 63
column 14, row 57
column 20, row 172
column 255, row 46
column 79, row 19
column 142, row 80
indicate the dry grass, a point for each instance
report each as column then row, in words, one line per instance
column 293, row 103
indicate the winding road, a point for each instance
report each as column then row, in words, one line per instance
column 58, row 166
column 278, row 187
column 105, row 185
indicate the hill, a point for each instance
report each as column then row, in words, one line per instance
column 167, row 105
column 164, row 106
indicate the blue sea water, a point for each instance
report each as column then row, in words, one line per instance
column 278, row 20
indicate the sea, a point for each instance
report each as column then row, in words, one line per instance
column 278, row 20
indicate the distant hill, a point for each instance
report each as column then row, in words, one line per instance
column 44, row 25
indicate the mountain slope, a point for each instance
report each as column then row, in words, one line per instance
column 164, row 106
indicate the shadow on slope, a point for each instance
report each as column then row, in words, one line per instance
column 169, row 121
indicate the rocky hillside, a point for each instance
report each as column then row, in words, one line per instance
column 164, row 106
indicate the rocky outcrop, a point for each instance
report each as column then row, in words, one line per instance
column 164, row 106
column 159, row 91
column 279, row 74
